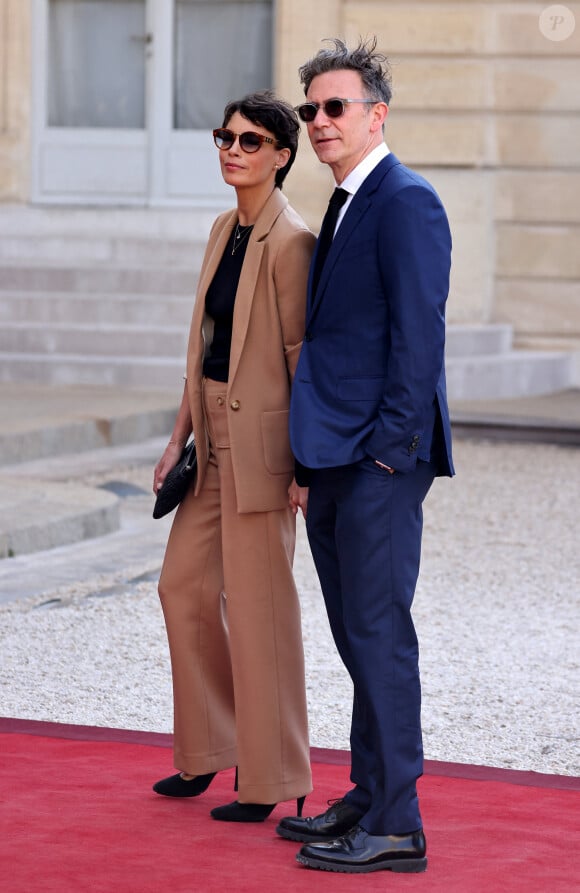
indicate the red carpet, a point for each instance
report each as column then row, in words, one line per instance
column 78, row 814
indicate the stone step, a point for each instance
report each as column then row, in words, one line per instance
column 72, row 470
column 95, row 279
column 134, row 310
column 512, row 374
column 158, row 373
column 476, row 340
column 96, row 308
column 103, row 339
column 154, row 309
column 52, row 222
column 39, row 421
column 43, row 515
column 106, row 250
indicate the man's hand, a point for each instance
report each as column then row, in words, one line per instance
column 298, row 497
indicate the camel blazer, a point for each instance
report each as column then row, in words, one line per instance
column 268, row 328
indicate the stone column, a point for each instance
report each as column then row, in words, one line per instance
column 15, row 100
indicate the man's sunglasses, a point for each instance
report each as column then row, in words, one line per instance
column 249, row 141
column 333, row 108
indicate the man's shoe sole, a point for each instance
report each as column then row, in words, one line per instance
column 407, row 866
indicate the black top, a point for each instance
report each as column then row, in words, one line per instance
column 219, row 304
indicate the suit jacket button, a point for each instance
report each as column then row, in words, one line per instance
column 220, row 401
column 235, row 405
column 308, row 336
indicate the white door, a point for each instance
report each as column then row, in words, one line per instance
column 126, row 93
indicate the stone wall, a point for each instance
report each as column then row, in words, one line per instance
column 486, row 107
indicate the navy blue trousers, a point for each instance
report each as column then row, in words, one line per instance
column 364, row 527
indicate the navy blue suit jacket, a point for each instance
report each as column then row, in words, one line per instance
column 370, row 379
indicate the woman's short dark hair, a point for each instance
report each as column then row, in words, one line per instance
column 267, row 110
column 373, row 67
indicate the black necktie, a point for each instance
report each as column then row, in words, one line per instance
column 337, row 200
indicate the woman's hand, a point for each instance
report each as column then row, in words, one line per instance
column 298, row 497
column 168, row 460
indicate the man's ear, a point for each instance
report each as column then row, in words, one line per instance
column 378, row 116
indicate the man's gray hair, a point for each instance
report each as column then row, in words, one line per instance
column 372, row 66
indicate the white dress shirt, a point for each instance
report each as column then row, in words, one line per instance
column 358, row 175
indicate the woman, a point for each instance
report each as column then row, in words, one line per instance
column 226, row 587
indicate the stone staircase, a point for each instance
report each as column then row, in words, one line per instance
column 98, row 297
column 482, row 364
column 104, row 297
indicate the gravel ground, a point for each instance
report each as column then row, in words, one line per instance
column 496, row 611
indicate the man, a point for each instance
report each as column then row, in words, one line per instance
column 369, row 427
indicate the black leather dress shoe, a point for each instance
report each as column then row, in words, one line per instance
column 359, row 852
column 338, row 818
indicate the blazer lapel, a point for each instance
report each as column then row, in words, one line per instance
column 246, row 292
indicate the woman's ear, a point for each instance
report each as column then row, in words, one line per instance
column 283, row 158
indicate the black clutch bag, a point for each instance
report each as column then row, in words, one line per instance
column 177, row 482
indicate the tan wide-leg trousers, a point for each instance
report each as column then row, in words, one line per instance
column 233, row 624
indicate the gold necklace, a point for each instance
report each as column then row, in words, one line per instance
column 240, row 234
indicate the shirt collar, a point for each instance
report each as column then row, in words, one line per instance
column 358, row 175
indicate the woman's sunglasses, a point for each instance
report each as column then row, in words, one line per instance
column 249, row 141
column 333, row 108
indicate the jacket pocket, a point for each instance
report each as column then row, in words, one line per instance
column 276, row 442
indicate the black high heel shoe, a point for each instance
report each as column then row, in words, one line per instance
column 249, row 812
column 176, row 786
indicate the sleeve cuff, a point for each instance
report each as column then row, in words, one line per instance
column 302, row 474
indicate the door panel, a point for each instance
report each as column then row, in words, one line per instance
column 102, row 172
